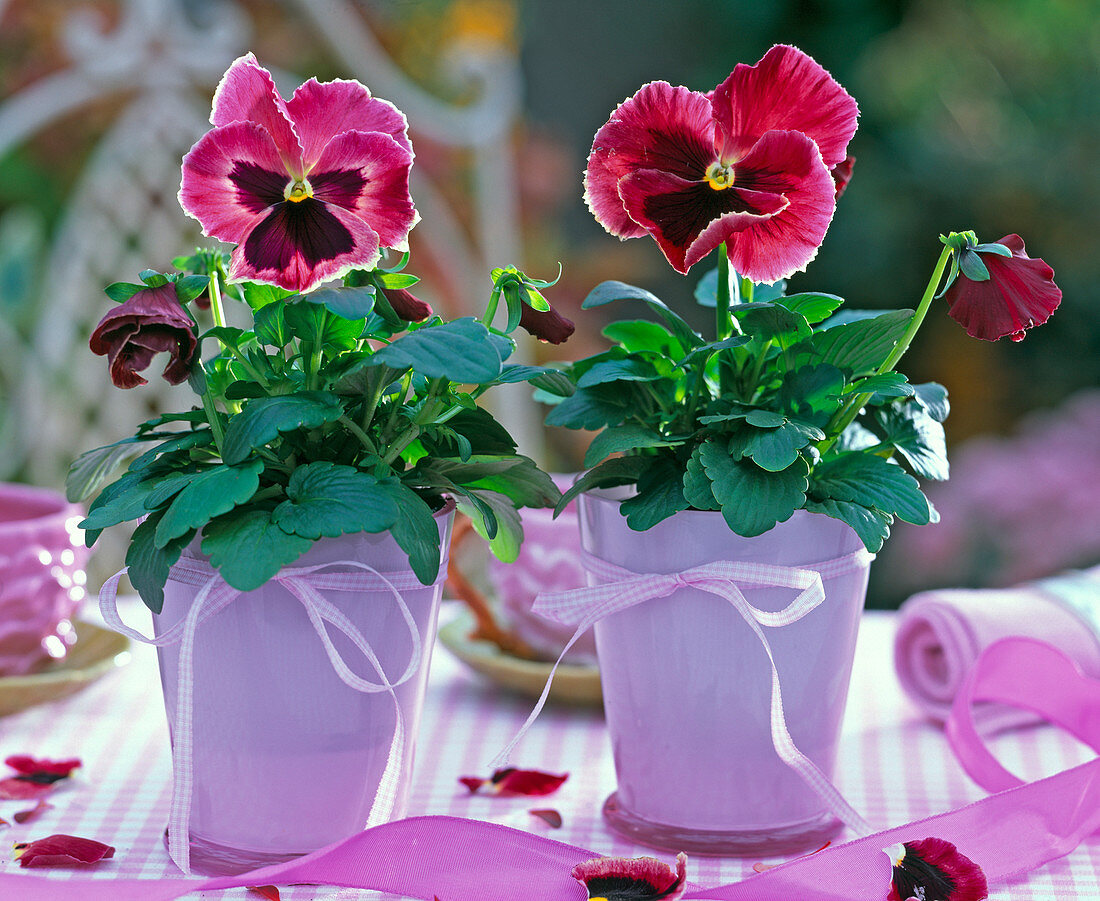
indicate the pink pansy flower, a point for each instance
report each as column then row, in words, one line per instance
column 1019, row 293
column 307, row 188
column 748, row 164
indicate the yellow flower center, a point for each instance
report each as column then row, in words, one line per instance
column 719, row 177
column 298, row 190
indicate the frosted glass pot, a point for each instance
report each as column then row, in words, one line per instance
column 687, row 685
column 287, row 757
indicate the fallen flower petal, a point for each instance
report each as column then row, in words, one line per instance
column 548, row 815
column 32, row 766
column 638, row 879
column 37, row 777
column 32, row 813
column 934, row 868
column 510, row 782
column 264, row 891
column 22, row 788
column 61, row 851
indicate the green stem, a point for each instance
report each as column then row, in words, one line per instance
column 215, row 422
column 363, row 437
column 215, row 295
column 491, row 309
column 402, row 442
column 846, row 415
column 372, row 404
column 696, row 395
column 723, row 321
column 316, row 350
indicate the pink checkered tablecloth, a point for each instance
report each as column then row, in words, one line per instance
column 894, row 768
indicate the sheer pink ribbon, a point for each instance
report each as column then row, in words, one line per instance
column 305, row 584
column 622, row 589
column 1007, row 834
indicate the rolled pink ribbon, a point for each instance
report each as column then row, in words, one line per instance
column 941, row 633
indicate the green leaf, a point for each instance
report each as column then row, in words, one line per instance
column 152, row 278
column 395, row 281
column 263, row 419
column 120, row 292
column 814, row 307
column 971, row 265
column 249, row 549
column 310, row 323
column 933, row 397
column 610, row 291
column 149, row 564
column 209, row 494
column 191, row 286
column 812, row 392
column 871, row 525
column 330, row 499
column 609, row 474
column 753, row 500
column 182, row 441
column 618, row 439
column 871, row 481
column 92, row 468
column 774, row 449
column 485, row 434
column 771, row 322
column 704, row 353
column 271, row 324
column 523, row 482
column 629, row 370
column 591, row 408
column 635, row 335
column 347, row 303
column 697, row 491
column 259, row 296
column 460, row 351
column 889, row 384
column 765, row 419
column 506, row 535
column 660, row 495
column 121, row 501
column 548, row 379
column 916, row 436
column 857, row 346
column 415, row 530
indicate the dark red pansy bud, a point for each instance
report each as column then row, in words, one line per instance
column 407, row 305
column 550, row 326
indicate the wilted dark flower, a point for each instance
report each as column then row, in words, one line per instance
column 131, row 334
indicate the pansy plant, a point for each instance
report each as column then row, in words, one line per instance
column 793, row 403
column 348, row 405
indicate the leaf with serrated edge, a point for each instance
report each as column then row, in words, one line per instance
column 660, row 495
column 209, row 494
column 752, row 499
column 915, row 435
column 460, row 350
column 149, row 564
column 872, row 526
column 618, row 439
column 415, row 530
column 870, row 480
column 248, row 549
column 609, row 474
column 697, row 484
column 328, row 499
column 262, row 420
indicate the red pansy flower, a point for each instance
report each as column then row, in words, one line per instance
column 307, row 188
column 748, row 164
column 61, row 851
column 510, row 782
column 640, row 879
column 36, row 777
column 934, row 868
column 1019, row 293
column 134, row 332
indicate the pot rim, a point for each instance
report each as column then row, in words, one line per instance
column 58, row 511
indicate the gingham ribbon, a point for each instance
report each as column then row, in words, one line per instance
column 305, row 584
column 622, row 589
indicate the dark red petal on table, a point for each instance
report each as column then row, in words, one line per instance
column 369, row 175
column 934, row 868
column 230, row 177
column 512, row 782
column 33, row 813
column 264, row 891
column 299, row 245
column 787, row 163
column 24, row 763
column 635, row 879
column 321, row 110
column 1020, row 293
column 407, row 305
column 247, row 93
column 548, row 815
column 678, row 212
column 786, row 91
column 842, row 174
column 546, row 325
column 61, row 851
column 661, row 127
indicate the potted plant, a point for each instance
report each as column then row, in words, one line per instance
column 293, row 525
column 740, row 482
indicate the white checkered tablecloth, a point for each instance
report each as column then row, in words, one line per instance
column 894, row 767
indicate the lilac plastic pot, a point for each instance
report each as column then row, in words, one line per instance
column 687, row 685
column 42, row 555
column 287, row 758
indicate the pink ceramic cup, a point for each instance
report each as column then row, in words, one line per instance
column 42, row 555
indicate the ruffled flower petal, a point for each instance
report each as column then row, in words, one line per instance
column 665, row 128
column 320, row 110
column 299, row 245
column 230, row 178
column 247, row 93
column 511, row 782
column 934, row 868
column 639, row 879
column 788, row 164
column 1019, row 294
column 61, row 851
column 369, row 175
column 786, row 91
column 842, row 174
